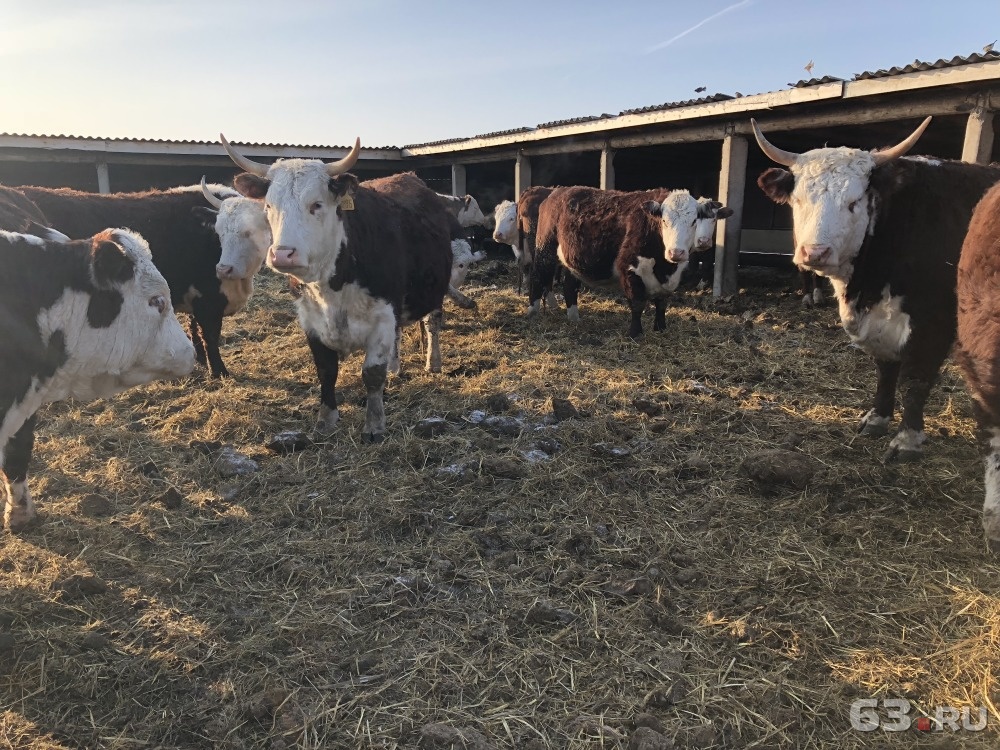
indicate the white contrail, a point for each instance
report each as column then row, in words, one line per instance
column 698, row 25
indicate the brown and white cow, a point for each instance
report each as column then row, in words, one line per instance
column 977, row 350
column 887, row 231
column 184, row 249
column 637, row 241
column 367, row 263
column 80, row 319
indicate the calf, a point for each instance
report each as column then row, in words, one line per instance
column 887, row 231
column 79, row 319
column 638, row 241
column 184, row 250
column 977, row 351
column 465, row 209
column 462, row 260
column 368, row 265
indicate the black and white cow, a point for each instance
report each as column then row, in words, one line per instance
column 184, row 250
column 80, row 319
column 367, row 263
column 887, row 231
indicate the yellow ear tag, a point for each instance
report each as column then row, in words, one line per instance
column 347, row 203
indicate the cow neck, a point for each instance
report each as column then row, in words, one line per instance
column 344, row 270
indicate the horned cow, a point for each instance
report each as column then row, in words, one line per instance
column 368, row 265
column 887, row 231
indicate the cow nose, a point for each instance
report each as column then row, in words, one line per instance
column 704, row 243
column 223, row 271
column 678, row 255
column 496, row 237
column 283, row 255
column 815, row 254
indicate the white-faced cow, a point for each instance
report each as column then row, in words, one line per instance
column 977, row 350
column 184, row 249
column 463, row 259
column 887, row 231
column 465, row 209
column 505, row 225
column 79, row 319
column 368, row 265
column 599, row 236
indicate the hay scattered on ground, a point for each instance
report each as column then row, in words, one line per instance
column 508, row 581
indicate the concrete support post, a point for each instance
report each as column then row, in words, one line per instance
column 103, row 182
column 522, row 175
column 458, row 180
column 732, row 181
column 978, row 146
column 607, row 168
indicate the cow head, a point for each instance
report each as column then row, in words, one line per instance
column 469, row 214
column 505, row 231
column 834, row 203
column 304, row 202
column 462, row 259
column 678, row 215
column 131, row 336
column 709, row 212
column 243, row 232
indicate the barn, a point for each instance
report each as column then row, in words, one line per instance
column 568, row 539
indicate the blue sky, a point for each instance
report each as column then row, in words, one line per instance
column 397, row 72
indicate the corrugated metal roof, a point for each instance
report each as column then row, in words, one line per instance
column 677, row 105
column 168, row 141
column 918, row 65
column 496, row 133
column 816, row 82
column 575, row 120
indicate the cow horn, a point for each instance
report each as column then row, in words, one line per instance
column 782, row 157
column 885, row 155
column 242, row 162
column 209, row 196
column 339, row 167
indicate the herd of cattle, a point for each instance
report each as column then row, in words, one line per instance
column 913, row 260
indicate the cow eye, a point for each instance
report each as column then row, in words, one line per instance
column 852, row 206
column 315, row 207
column 159, row 302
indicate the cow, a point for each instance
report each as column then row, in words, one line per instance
column 184, row 250
column 977, row 349
column 19, row 214
column 462, row 260
column 887, row 231
column 80, row 319
column 368, row 265
column 465, row 209
column 505, row 225
column 600, row 235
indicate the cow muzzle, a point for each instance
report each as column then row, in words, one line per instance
column 704, row 243
column 677, row 255
column 283, row 256
column 813, row 255
column 224, row 272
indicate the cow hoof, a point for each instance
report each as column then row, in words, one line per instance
column 532, row 310
column 906, row 447
column 873, row 425
column 818, row 298
column 807, row 300
column 373, row 437
column 19, row 520
column 896, row 455
column 433, row 368
column 573, row 313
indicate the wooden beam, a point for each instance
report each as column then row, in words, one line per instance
column 732, row 181
column 522, row 175
column 103, row 179
column 607, row 168
column 978, row 146
column 458, row 180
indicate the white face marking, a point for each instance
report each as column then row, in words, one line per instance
column 468, row 216
column 678, row 222
column 704, row 236
column 831, row 208
column 462, row 260
column 302, row 214
column 882, row 331
column 244, row 235
column 506, row 223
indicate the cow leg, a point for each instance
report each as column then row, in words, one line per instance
column 817, row 293
column 327, row 368
column 460, row 299
column 918, row 374
column 541, row 280
column 876, row 422
column 394, row 365
column 209, row 317
column 808, row 281
column 432, row 321
column 199, row 344
column 571, row 291
column 373, row 371
column 19, row 508
column 660, row 320
column 991, row 506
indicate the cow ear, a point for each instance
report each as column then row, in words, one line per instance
column 777, row 184
column 251, row 185
column 468, row 200
column 344, row 184
column 652, row 208
column 724, row 213
column 109, row 262
column 205, row 215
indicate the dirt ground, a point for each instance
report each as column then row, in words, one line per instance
column 497, row 578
